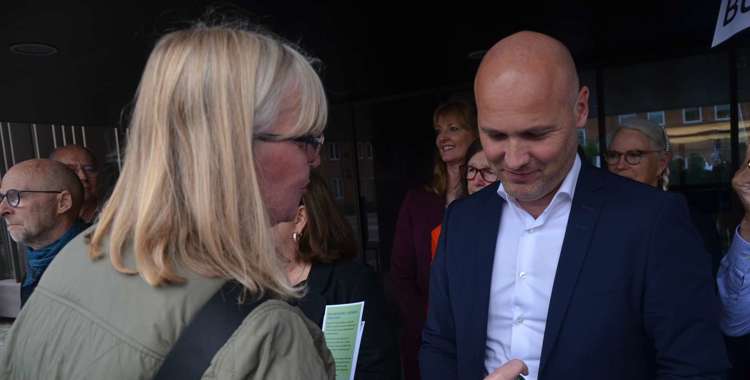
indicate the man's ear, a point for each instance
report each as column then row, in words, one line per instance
column 582, row 107
column 64, row 202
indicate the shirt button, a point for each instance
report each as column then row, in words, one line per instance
column 522, row 275
column 532, row 230
column 519, row 320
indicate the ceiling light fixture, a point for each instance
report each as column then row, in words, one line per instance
column 33, row 49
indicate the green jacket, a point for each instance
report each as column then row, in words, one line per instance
column 87, row 321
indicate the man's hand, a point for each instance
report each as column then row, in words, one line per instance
column 509, row 371
column 741, row 185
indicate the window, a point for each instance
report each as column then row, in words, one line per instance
column 657, row 117
column 721, row 112
column 360, row 151
column 581, row 136
column 338, row 188
column 626, row 116
column 692, row 115
column 333, row 152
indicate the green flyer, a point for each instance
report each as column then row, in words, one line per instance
column 342, row 328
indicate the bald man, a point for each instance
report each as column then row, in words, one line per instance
column 81, row 161
column 40, row 204
column 576, row 272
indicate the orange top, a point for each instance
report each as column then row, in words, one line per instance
column 435, row 235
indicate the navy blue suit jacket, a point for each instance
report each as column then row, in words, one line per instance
column 632, row 297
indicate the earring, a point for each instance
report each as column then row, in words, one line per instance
column 296, row 236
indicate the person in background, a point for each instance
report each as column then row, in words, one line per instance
column 39, row 202
column 479, row 174
column 734, row 273
column 639, row 149
column 320, row 250
column 226, row 125
column 421, row 211
column 82, row 162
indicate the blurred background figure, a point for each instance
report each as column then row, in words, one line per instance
column 421, row 211
column 226, row 125
column 734, row 287
column 639, row 149
column 39, row 202
column 82, row 162
column 479, row 174
column 320, row 250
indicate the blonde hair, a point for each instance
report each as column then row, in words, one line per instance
column 189, row 191
column 466, row 113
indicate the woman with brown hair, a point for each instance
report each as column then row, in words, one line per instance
column 319, row 248
column 421, row 211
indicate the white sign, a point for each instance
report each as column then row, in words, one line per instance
column 734, row 16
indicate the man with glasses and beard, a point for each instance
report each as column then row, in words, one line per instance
column 40, row 201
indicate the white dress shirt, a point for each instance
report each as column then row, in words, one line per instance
column 526, row 256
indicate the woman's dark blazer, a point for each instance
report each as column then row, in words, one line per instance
column 346, row 282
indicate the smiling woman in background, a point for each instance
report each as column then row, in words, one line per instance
column 421, row 211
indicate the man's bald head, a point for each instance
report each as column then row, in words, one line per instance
column 47, row 204
column 42, row 174
column 528, row 62
column 529, row 106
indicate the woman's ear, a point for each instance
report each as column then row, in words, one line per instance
column 300, row 220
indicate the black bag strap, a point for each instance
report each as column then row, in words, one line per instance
column 206, row 333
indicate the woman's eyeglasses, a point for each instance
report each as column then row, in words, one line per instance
column 309, row 143
column 487, row 174
column 632, row 157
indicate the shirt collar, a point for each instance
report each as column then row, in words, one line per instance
column 566, row 190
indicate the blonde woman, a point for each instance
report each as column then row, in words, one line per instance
column 226, row 126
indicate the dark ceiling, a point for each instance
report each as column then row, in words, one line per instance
column 368, row 50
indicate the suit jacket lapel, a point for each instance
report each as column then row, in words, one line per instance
column 488, row 214
column 587, row 203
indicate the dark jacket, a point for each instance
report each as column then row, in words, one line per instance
column 347, row 282
column 633, row 296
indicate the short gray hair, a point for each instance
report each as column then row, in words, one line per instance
column 657, row 136
column 655, row 133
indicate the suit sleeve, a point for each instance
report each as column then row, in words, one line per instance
column 681, row 310
column 437, row 359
